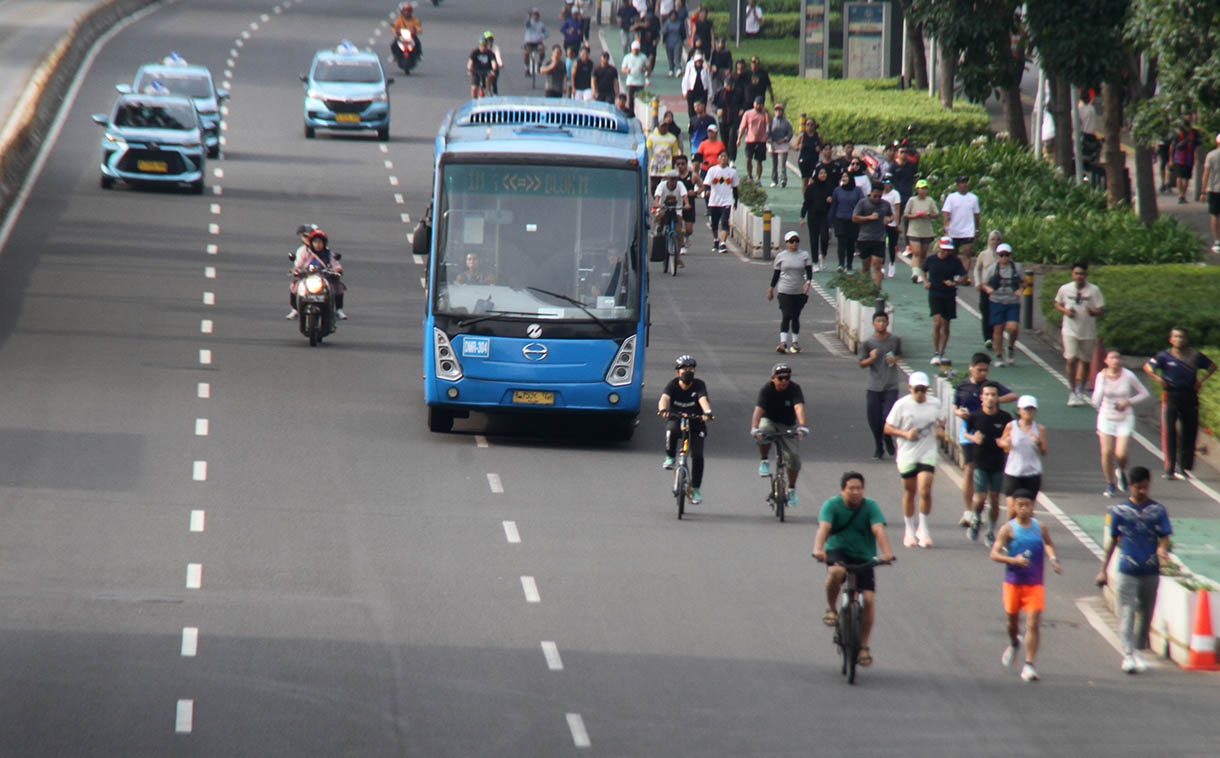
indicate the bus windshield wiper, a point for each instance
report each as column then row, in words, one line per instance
column 575, row 302
column 488, row 315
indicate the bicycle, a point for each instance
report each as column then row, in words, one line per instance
column 778, row 496
column 682, row 474
column 672, row 248
column 535, row 63
column 481, row 89
column 849, row 626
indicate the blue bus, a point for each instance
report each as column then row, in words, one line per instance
column 537, row 283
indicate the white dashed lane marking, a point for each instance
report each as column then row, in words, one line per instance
column 233, row 53
column 190, row 641
column 197, row 520
column 219, row 173
column 202, row 427
column 511, row 534
column 214, row 228
column 419, row 261
column 406, row 217
column 398, row 198
column 184, row 717
column 205, row 357
column 229, row 62
column 551, row 652
column 217, row 190
column 205, row 326
column 264, row 18
column 530, row 587
column 209, row 272
column 393, row 181
column 212, row 249
column 384, row 148
column 389, row 164
column 209, row 298
column 194, row 576
column 493, row 481
column 199, row 471
column 576, row 725
column 239, row 43
column 203, row 390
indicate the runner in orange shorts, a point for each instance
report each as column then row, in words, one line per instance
column 1022, row 545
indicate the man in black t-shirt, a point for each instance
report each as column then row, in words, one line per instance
column 605, row 80
column 942, row 273
column 984, row 428
column 686, row 394
column 627, row 15
column 480, row 66
column 1180, row 380
column 760, row 80
column 779, row 409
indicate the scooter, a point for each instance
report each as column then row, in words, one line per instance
column 406, row 50
column 316, row 311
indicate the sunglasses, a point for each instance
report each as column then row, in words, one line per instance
column 1004, row 255
column 782, row 377
column 919, row 389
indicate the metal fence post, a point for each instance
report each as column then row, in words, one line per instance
column 766, row 240
column 656, row 113
column 1027, row 302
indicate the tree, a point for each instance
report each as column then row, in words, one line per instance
column 915, row 67
column 1184, row 38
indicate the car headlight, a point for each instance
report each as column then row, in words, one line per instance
column 314, row 284
column 116, row 139
column 381, row 97
column 313, row 94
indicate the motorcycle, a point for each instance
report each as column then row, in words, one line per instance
column 406, row 50
column 316, row 311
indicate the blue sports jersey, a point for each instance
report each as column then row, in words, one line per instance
column 1026, row 540
column 1138, row 528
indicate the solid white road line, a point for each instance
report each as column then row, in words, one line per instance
column 212, row 249
column 493, row 481
column 205, row 357
column 531, row 589
column 194, row 576
column 202, row 427
column 190, row 641
column 577, row 726
column 198, row 518
column 199, row 471
column 206, row 326
column 551, row 652
column 209, row 272
column 185, row 716
column 511, row 534
column 479, row 439
column 204, row 390
column 209, row 298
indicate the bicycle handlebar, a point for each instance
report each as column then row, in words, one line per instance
column 686, row 414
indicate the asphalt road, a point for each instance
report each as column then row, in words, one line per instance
column 365, row 587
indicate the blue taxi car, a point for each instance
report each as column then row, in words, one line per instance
column 346, row 90
column 152, row 138
column 195, row 82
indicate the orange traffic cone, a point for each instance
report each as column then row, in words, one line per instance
column 1202, row 655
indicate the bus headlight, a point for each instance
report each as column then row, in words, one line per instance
column 622, row 368
column 447, row 366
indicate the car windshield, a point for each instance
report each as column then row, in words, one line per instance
column 148, row 115
column 538, row 241
column 354, row 72
column 190, row 85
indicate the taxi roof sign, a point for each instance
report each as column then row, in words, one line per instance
column 346, row 48
column 174, row 59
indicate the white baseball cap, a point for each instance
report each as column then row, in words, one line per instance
column 791, row 236
column 1027, row 401
column 712, row 128
column 1003, row 247
column 918, row 379
column 635, row 45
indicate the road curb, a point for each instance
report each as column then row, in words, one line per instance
column 30, row 120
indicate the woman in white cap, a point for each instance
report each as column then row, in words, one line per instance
column 916, row 423
column 1025, row 442
column 790, row 281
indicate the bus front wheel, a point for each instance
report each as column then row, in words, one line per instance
column 439, row 420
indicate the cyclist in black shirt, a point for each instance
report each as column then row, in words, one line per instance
column 780, row 408
column 481, row 67
column 685, row 393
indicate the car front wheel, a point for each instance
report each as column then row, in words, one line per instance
column 309, row 132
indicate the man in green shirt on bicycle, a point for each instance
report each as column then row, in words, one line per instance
column 850, row 528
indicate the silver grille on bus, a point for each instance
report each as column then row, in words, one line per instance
column 523, row 115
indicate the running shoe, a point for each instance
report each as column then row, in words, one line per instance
column 1169, row 476
column 967, row 517
column 908, row 539
column 1111, row 491
column 1029, row 673
column 342, row 316
column 889, row 273
column 772, row 184
column 998, row 362
column 682, row 250
column 796, row 348
column 839, row 269
column 1009, row 655
column 792, row 498
column 1008, row 356
column 925, row 539
column 781, row 347
column 1128, row 664
column 764, row 468
column 1121, row 477
column 935, row 359
column 817, row 267
column 989, row 540
column 1140, row 665
column 1073, row 398
column 973, row 531
column 668, row 465
column 987, row 344
column 696, row 496
column 291, row 314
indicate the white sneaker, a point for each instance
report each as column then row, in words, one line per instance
column 1009, row 655
column 817, row 267
column 925, row 539
column 1029, row 673
column 935, row 359
column 1008, row 357
column 682, row 250
column 998, row 362
column 291, row 314
column 967, row 517
column 342, row 316
column 1073, row 398
column 1140, row 665
column 1128, row 664
column 889, row 273
column 772, row 184
column 908, row 539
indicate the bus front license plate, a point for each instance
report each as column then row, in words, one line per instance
column 529, row 397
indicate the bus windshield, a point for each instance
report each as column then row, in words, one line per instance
column 536, row 241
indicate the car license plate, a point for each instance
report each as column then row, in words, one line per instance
column 153, row 167
column 530, row 397
column 348, row 118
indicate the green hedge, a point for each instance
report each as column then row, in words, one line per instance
column 1209, row 398
column 778, row 56
column 768, row 6
column 1144, row 302
column 776, row 25
column 1046, row 218
column 868, row 110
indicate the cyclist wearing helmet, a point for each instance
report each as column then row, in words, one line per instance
column 780, row 408
column 493, row 81
column 535, row 36
column 481, row 67
column 406, row 19
column 684, row 393
column 317, row 253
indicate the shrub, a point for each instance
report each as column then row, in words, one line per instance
column 856, row 286
column 1209, row 397
column 753, row 195
column 768, row 6
column 1144, row 302
column 774, row 25
column 1048, row 219
column 869, row 110
column 778, row 56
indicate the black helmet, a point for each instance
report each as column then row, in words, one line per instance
column 684, row 361
column 781, row 368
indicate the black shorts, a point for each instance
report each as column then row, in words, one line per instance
column 1014, row 483
column 960, row 242
column 477, row 77
column 970, row 453
column 873, row 248
column 1213, row 203
column 866, row 579
column 916, row 471
column 688, row 214
column 806, row 168
column 756, row 150
column 1183, row 170
column 942, row 305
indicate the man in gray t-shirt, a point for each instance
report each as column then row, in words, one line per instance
column 879, row 353
column 870, row 215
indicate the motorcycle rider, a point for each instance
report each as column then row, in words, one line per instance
column 535, row 37
column 303, row 232
column 406, row 20
column 316, row 253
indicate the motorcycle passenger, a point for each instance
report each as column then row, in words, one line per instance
column 303, row 232
column 780, row 407
column 535, row 37
column 406, row 19
column 685, row 393
column 481, row 66
column 671, row 196
column 317, row 254
column 494, row 82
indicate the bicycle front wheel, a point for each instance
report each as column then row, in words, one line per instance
column 680, row 490
column 671, row 243
column 851, row 650
column 781, row 493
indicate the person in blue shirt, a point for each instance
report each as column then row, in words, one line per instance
column 1022, row 545
column 1179, row 378
column 968, row 399
column 1139, row 531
